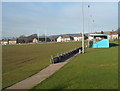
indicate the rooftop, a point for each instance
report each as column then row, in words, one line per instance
column 99, row 34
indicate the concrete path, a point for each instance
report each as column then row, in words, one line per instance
column 40, row 76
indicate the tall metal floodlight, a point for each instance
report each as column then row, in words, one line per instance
column 88, row 27
column 93, row 25
column 45, row 37
column 83, row 27
column 38, row 35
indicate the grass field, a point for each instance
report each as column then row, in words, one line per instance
column 96, row 69
column 22, row 61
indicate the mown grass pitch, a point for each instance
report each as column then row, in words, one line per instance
column 96, row 69
column 22, row 61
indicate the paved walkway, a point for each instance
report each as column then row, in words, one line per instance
column 40, row 76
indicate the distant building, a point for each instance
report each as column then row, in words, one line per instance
column 53, row 38
column 35, row 40
column 72, row 37
column 59, row 39
column 12, row 41
column 114, row 35
column 77, row 37
column 65, row 38
column 43, row 39
column 5, row 41
column 27, row 39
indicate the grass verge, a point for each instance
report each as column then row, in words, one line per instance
column 96, row 69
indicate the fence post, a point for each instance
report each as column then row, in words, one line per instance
column 51, row 59
column 79, row 51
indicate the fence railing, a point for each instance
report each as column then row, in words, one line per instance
column 65, row 56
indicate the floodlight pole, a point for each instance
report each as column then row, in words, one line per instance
column 38, row 36
column 93, row 25
column 45, row 37
column 83, row 27
column 88, row 27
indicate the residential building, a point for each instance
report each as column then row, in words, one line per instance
column 12, row 41
column 65, row 38
column 114, row 35
column 35, row 40
column 77, row 37
column 5, row 41
column 53, row 38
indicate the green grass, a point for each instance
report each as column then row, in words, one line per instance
column 22, row 61
column 96, row 69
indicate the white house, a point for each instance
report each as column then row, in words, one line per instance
column 77, row 37
column 12, row 41
column 114, row 35
column 65, row 38
column 59, row 39
column 4, row 42
column 35, row 40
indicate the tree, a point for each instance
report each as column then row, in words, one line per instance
column 102, row 32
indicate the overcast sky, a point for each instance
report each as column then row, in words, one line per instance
column 25, row 18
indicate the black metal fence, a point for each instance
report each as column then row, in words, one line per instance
column 65, row 56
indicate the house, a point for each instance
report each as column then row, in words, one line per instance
column 24, row 40
column 27, row 39
column 12, row 41
column 5, row 41
column 65, row 38
column 44, row 39
column 114, row 35
column 35, row 40
column 53, row 38
column 77, row 37
column 59, row 39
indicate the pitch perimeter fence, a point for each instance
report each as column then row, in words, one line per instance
column 65, row 56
